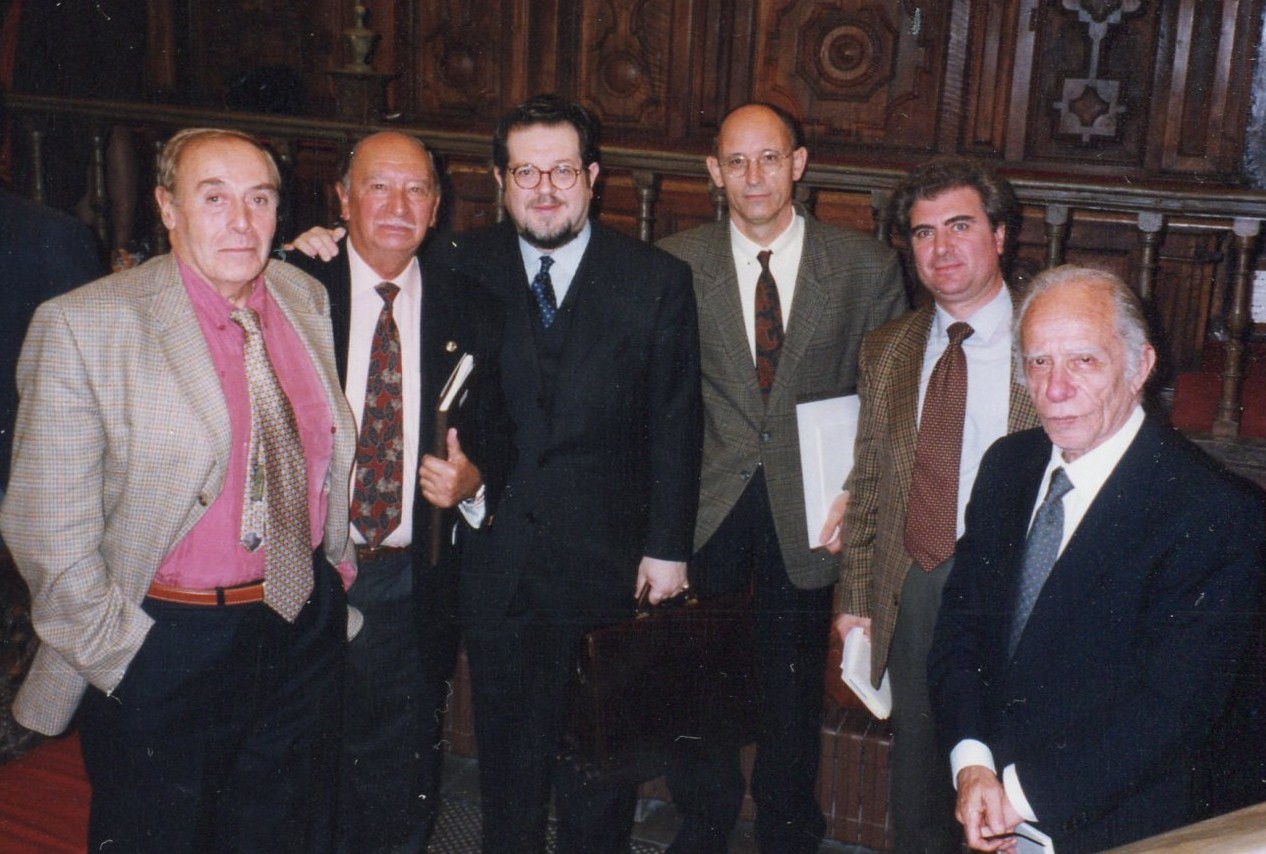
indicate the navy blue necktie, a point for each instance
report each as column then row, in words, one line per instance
column 543, row 290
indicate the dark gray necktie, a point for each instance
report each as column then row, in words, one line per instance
column 1040, row 552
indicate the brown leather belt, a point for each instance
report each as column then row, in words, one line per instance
column 241, row 594
column 364, row 552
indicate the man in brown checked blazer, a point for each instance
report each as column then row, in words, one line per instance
column 201, row 622
column 955, row 215
column 831, row 286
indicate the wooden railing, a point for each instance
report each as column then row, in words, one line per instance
column 1150, row 211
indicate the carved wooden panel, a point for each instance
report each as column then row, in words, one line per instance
column 633, row 65
column 860, row 72
column 471, row 58
column 1090, row 84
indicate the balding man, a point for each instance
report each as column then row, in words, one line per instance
column 784, row 301
column 1101, row 596
column 397, row 666
column 178, row 506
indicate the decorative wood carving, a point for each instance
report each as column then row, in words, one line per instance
column 860, row 72
column 467, row 60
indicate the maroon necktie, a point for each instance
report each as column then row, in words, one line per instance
column 377, row 500
column 932, row 511
column 768, row 326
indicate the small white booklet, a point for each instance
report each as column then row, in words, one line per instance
column 827, row 429
column 855, row 670
column 1030, row 840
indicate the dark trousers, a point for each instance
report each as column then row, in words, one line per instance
column 921, row 792
column 520, row 669
column 391, row 760
column 223, row 734
column 792, row 627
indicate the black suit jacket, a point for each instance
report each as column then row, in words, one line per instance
column 1129, row 654
column 43, row 253
column 458, row 316
column 610, row 472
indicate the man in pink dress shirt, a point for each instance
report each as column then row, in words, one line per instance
column 209, row 710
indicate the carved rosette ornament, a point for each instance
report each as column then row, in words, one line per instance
column 1090, row 105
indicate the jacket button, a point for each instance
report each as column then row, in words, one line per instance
column 745, row 475
column 203, row 500
column 766, row 436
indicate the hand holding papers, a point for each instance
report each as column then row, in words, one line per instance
column 855, row 671
column 450, row 398
column 827, row 429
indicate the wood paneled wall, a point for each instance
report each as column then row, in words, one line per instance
column 1131, row 88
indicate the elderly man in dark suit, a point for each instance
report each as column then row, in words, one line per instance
column 178, row 506
column 1101, row 597
column 600, row 368
column 398, row 664
column 829, row 288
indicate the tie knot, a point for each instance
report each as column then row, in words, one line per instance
column 546, row 263
column 245, row 318
column 388, row 292
column 959, row 332
column 763, row 257
column 1060, row 485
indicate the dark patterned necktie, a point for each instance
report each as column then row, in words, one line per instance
column 378, row 488
column 1041, row 549
column 275, row 504
column 932, row 511
column 543, row 290
column 769, row 332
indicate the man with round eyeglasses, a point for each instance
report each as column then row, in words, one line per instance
column 771, row 275
column 600, row 370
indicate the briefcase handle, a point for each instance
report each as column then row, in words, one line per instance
column 685, row 599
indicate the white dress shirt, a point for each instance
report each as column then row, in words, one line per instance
column 988, row 353
column 1087, row 473
column 407, row 311
column 784, row 266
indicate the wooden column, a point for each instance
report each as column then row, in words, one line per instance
column 38, row 192
column 97, row 187
column 718, row 201
column 161, row 246
column 1151, row 226
column 1056, row 234
column 881, row 215
column 646, row 185
column 1226, row 423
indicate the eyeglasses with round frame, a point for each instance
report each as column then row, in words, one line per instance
column 736, row 165
column 562, row 177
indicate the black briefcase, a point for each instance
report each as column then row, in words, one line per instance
column 678, row 677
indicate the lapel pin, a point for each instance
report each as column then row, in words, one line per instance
column 450, row 347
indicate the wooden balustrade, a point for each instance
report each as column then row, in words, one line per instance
column 1153, row 212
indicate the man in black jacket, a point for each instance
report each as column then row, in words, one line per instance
column 400, row 327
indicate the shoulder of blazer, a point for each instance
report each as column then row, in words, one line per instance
column 824, row 241
column 295, row 285
column 906, row 333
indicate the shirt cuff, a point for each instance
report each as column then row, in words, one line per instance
column 1015, row 793
column 967, row 752
column 474, row 509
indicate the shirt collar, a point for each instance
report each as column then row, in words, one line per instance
column 988, row 322
column 365, row 278
column 747, row 249
column 207, row 299
column 1091, row 470
column 566, row 257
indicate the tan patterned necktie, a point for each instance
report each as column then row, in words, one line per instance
column 769, row 329
column 275, row 506
column 932, row 511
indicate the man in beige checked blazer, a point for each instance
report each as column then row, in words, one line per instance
column 832, row 286
column 207, row 709
column 955, row 215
